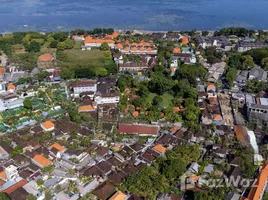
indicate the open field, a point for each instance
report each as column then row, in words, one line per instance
column 167, row 98
column 75, row 55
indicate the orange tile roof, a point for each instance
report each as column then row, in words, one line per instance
column 147, row 44
column 45, row 57
column 16, row 186
column 90, row 39
column 160, row 148
column 2, row 70
column 211, row 86
column 194, row 177
column 239, row 132
column 185, row 40
column 134, row 44
column 42, row 160
column 48, row 124
column 135, row 113
column 141, row 49
column 1, row 151
column 127, row 49
column 118, row 196
column 78, row 36
column 3, row 175
column 134, row 49
column 176, row 50
column 176, row 109
column 57, row 146
column 255, row 192
column 217, row 117
column 10, row 86
column 149, row 49
column 141, row 44
column 85, row 108
column 119, row 46
column 112, row 36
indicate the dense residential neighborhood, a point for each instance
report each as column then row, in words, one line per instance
column 129, row 115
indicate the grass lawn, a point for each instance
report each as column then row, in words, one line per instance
column 76, row 55
column 167, row 98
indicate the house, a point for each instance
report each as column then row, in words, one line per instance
column 78, row 38
column 31, row 188
column 160, row 149
column 118, row 196
column 5, row 150
column 75, row 154
column 106, row 91
column 260, row 185
column 56, row 148
column 194, row 168
column 246, row 46
column 11, row 87
column 104, row 190
column 86, row 108
column 257, row 74
column 211, row 87
column 257, row 110
column 84, row 86
column 48, row 126
column 41, row 161
column 138, row 129
column 91, row 42
column 187, row 58
column 142, row 47
column 220, row 42
column 45, row 61
column 2, row 73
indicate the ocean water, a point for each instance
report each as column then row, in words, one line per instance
column 157, row 15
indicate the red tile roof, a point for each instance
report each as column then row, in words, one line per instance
column 15, row 186
column 45, row 57
column 138, row 129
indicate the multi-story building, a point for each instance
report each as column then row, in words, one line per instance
column 246, row 46
column 85, row 86
column 257, row 110
column 220, row 42
column 106, row 91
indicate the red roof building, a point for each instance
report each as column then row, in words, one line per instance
column 138, row 129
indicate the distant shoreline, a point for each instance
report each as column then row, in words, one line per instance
column 121, row 30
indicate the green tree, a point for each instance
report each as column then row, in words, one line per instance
column 31, row 197
column 61, row 46
column 85, row 141
column 68, row 44
column 264, row 63
column 230, row 76
column 248, row 62
column 39, row 182
column 4, row 196
column 48, row 195
column 157, row 101
column 61, row 56
column 33, row 47
column 27, row 103
column 104, row 46
column 235, row 61
column 60, row 36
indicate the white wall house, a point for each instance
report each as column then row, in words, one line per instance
column 103, row 99
column 85, row 86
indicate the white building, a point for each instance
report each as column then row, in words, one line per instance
column 107, row 98
column 85, row 86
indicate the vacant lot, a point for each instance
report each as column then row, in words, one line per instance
column 75, row 55
column 167, row 98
